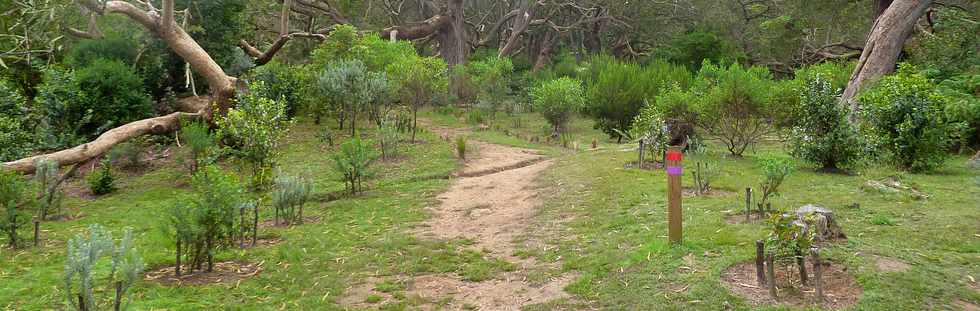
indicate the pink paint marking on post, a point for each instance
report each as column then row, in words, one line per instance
column 674, row 170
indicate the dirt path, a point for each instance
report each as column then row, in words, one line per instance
column 492, row 203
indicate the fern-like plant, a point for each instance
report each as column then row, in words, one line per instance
column 84, row 252
column 291, row 194
column 353, row 163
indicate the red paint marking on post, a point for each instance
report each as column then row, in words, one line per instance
column 674, row 156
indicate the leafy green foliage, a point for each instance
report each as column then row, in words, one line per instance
column 353, row 162
column 389, row 136
column 775, row 169
column 13, row 199
column 419, row 80
column 557, row 100
column 345, row 43
column 101, row 181
column 492, row 76
column 281, row 82
column 217, row 26
column 49, row 191
column 693, row 48
column 112, row 94
column 951, row 49
column 147, row 61
column 84, row 252
column 788, row 237
column 903, row 118
column 619, row 90
column 461, row 147
column 255, row 129
column 290, row 195
column 822, row 134
column 206, row 222
column 963, row 107
column 733, row 104
column 15, row 139
column 56, row 102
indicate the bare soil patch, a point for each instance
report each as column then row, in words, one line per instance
column 739, row 218
column 966, row 305
column 840, row 289
column 888, row 264
column 224, row 272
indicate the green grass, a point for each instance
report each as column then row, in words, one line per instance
column 612, row 232
column 357, row 237
column 616, row 239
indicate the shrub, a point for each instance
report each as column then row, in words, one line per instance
column 419, row 80
column 822, row 134
column 952, row 49
column 963, row 93
column 84, row 251
column 56, row 98
column 282, row 82
column 101, row 181
column 903, row 118
column 618, row 91
column 461, row 147
column 289, row 197
column 492, row 77
column 774, row 172
column 733, row 105
column 389, row 137
column 149, row 60
column 127, row 155
column 352, row 161
column 693, row 48
column 49, row 192
column 557, row 100
column 255, row 128
column 201, row 145
column 349, row 84
column 13, row 200
column 111, row 94
column 15, row 139
column 206, row 222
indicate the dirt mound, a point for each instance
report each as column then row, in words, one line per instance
column 840, row 289
column 224, row 272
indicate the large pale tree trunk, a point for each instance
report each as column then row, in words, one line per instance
column 892, row 27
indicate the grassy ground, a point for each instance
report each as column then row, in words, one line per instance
column 611, row 234
column 615, row 226
column 313, row 264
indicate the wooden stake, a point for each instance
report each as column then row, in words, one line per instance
column 255, row 224
column 770, row 268
column 674, row 207
column 801, row 262
column 117, row 305
column 81, row 303
column 640, row 162
column 37, row 233
column 748, row 204
column 177, row 269
column 760, row 262
column 817, row 272
column 210, row 255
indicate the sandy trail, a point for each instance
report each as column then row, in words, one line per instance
column 492, row 203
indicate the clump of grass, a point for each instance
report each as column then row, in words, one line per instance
column 882, row 220
column 373, row 298
column 102, row 181
column 461, row 147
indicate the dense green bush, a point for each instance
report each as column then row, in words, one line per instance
column 951, row 48
column 963, row 108
column 492, row 77
column 557, row 100
column 822, row 133
column 733, row 104
column 353, row 162
column 102, row 181
column 693, row 48
column 903, row 117
column 13, row 201
column 618, row 90
column 346, row 43
column 282, row 82
column 84, row 252
column 77, row 106
column 148, row 62
column 254, row 129
column 16, row 140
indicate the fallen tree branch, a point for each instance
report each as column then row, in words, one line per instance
column 105, row 142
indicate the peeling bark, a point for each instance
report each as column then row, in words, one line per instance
column 884, row 46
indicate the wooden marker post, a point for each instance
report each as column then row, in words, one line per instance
column 674, row 212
